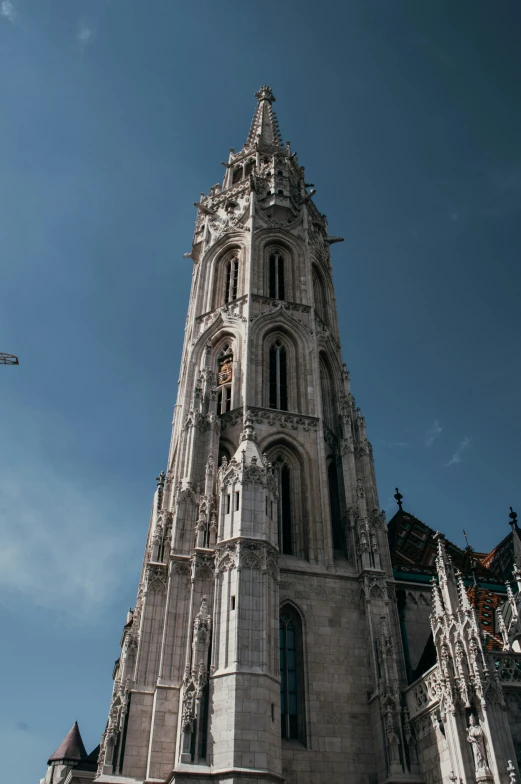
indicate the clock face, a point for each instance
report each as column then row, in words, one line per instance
column 225, row 373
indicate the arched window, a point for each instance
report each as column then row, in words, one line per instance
column 292, row 721
column 319, row 296
column 326, row 388
column 334, row 505
column 231, row 278
column 224, row 379
column 237, row 175
column 284, row 524
column 278, row 382
column 276, row 275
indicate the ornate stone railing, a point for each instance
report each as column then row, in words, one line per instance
column 422, row 695
column 508, row 668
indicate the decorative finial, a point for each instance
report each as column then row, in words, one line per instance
column 161, row 479
column 398, row 497
column 265, row 94
column 513, row 518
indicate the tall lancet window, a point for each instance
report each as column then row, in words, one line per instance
column 334, row 506
column 277, row 275
column 231, row 279
column 278, row 381
column 326, row 388
column 284, row 506
column 319, row 296
column 292, row 724
column 224, row 379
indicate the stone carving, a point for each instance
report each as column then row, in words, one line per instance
column 231, row 418
column 195, row 679
column 283, row 420
column 156, row 577
column 476, row 738
column 508, row 668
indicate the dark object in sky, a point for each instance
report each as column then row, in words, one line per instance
column 8, row 359
column 398, row 497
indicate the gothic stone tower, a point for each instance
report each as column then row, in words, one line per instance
column 264, row 644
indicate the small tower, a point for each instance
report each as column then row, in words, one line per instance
column 69, row 753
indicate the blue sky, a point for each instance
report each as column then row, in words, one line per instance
column 115, row 116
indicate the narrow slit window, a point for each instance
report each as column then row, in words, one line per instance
column 291, row 680
column 231, row 280
column 228, row 504
column 232, row 604
column 284, row 522
column 237, row 500
column 278, row 384
column 276, row 274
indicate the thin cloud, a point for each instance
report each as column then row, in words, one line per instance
column 457, row 456
column 8, row 10
column 433, row 433
column 57, row 549
column 85, row 34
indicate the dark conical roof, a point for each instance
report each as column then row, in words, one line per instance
column 71, row 748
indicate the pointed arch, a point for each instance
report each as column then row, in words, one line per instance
column 327, row 391
column 294, row 475
column 291, row 248
column 278, row 375
column 292, row 678
column 226, row 276
column 266, row 329
column 337, row 528
column 319, row 293
column 278, row 262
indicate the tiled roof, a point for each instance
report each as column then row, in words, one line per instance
column 485, row 603
column 413, row 553
column 71, row 748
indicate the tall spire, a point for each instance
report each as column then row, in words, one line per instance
column 264, row 127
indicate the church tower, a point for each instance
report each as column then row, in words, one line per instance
column 264, row 645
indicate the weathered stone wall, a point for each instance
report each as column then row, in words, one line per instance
column 339, row 745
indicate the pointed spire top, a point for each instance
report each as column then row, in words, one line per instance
column 71, row 748
column 437, row 606
column 513, row 518
column 265, row 94
column 264, row 127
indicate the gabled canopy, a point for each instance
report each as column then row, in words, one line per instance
column 71, row 748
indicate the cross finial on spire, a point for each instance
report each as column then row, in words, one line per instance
column 513, row 518
column 398, row 497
